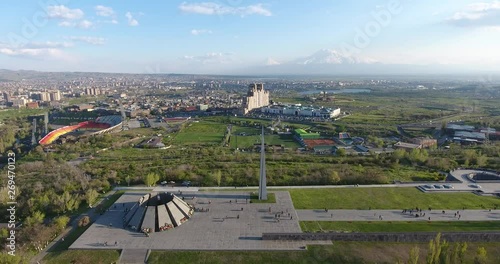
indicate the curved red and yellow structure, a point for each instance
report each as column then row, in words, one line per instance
column 52, row 136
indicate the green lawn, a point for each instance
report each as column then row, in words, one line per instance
column 386, row 198
column 20, row 113
column 339, row 252
column 202, row 132
column 399, row 226
column 83, row 256
column 254, row 198
column 70, row 238
column 254, row 138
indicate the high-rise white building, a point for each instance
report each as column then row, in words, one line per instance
column 55, row 95
column 45, row 97
column 256, row 97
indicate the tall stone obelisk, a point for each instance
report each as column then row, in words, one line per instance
column 262, row 179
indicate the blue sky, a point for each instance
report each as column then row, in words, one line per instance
column 217, row 36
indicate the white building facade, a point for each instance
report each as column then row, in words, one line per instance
column 256, row 97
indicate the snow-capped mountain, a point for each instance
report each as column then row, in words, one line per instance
column 328, row 56
column 271, row 61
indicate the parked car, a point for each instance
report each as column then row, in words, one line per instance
column 437, row 186
column 447, row 186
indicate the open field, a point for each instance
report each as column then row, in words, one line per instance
column 248, row 141
column 12, row 114
column 83, row 256
column 411, row 226
column 202, row 133
column 386, row 198
column 339, row 252
column 254, row 198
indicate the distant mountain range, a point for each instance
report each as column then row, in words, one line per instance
column 327, row 56
column 332, row 62
column 325, row 62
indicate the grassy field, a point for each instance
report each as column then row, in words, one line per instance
column 339, row 252
column 201, row 133
column 208, row 132
column 271, row 198
column 83, row 256
column 20, row 113
column 399, row 226
column 386, row 198
column 238, row 141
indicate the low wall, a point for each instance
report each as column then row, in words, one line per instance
column 410, row 237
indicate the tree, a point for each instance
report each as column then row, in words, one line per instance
column 91, row 196
column 127, row 179
column 218, row 177
column 434, row 255
column 414, row 254
column 454, row 253
column 333, row 177
column 84, row 221
column 61, row 222
column 463, row 250
column 36, row 218
column 399, row 154
column 341, row 152
column 151, row 178
column 480, row 256
column 481, row 160
column 444, row 253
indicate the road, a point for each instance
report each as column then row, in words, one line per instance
column 464, row 185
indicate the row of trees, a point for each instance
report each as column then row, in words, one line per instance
column 442, row 252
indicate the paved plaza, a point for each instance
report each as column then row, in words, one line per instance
column 224, row 227
column 233, row 223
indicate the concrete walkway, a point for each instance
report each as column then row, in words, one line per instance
column 397, row 215
column 73, row 225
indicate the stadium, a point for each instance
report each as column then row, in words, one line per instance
column 101, row 125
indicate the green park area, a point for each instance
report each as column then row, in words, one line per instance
column 338, row 252
column 399, row 226
column 83, row 256
column 246, row 137
column 201, row 133
column 213, row 131
column 386, row 198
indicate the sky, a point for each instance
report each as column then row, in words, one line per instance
column 171, row 36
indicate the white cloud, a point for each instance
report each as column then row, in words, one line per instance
column 104, row 11
column 85, row 24
column 211, row 58
column 89, row 40
column 197, row 32
column 47, row 44
column 66, row 24
column 34, row 53
column 211, row 8
column 477, row 15
column 63, row 12
column 131, row 20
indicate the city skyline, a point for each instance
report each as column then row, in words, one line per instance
column 225, row 37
